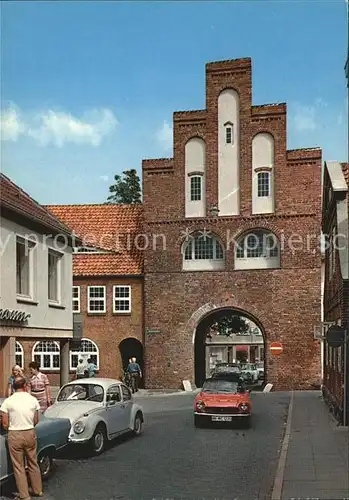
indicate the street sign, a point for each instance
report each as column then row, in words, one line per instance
column 276, row 348
column 335, row 336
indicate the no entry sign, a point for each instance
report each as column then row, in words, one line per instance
column 276, row 348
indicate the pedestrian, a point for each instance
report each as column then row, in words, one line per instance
column 16, row 372
column 39, row 386
column 81, row 369
column 91, row 367
column 20, row 414
column 135, row 372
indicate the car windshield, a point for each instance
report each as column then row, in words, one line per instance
column 81, row 392
column 221, row 386
column 248, row 366
column 227, row 368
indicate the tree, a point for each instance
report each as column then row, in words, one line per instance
column 227, row 325
column 127, row 188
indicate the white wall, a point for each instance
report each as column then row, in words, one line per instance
column 195, row 159
column 43, row 316
column 228, row 154
column 263, row 153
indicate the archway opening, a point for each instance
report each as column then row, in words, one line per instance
column 230, row 336
column 131, row 348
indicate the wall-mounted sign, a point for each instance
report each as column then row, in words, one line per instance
column 335, row 336
column 15, row 316
column 152, row 331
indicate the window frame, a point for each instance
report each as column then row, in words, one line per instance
column 76, row 299
column 229, row 131
column 115, row 299
column 194, row 188
column 30, row 245
column 111, row 389
column 59, row 263
column 50, row 353
column 268, row 176
column 191, row 243
column 104, row 299
column 83, row 353
column 123, row 389
column 19, row 352
column 265, row 249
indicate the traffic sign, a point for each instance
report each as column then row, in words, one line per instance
column 276, row 348
column 335, row 336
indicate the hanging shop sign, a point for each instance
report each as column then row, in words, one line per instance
column 14, row 315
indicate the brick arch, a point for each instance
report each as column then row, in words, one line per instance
column 197, row 135
column 263, row 131
column 228, row 87
column 213, row 234
column 262, row 225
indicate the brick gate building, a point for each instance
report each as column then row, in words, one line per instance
column 233, row 222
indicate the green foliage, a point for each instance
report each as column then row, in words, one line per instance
column 230, row 324
column 127, row 188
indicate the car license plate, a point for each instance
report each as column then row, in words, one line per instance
column 222, row 419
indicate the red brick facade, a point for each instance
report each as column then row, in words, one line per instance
column 285, row 302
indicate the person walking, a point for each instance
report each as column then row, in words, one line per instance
column 16, row 372
column 39, row 386
column 81, row 369
column 20, row 414
column 135, row 373
column 91, row 367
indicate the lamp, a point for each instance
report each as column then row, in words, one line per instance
column 214, row 210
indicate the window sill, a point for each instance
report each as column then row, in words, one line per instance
column 122, row 313
column 96, row 313
column 54, row 305
column 26, row 300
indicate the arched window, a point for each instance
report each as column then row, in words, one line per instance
column 47, row 353
column 257, row 250
column 87, row 349
column 202, row 252
column 19, row 355
column 229, row 133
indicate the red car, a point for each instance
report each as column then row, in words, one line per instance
column 222, row 400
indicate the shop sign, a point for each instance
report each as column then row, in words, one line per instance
column 14, row 315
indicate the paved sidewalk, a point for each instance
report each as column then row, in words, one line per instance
column 317, row 456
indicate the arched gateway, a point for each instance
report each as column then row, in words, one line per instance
column 200, row 324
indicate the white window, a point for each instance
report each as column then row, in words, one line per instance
column 195, row 188
column 96, row 299
column 86, row 350
column 54, row 276
column 19, row 355
column 46, row 354
column 76, row 299
column 229, row 134
column 202, row 252
column 121, row 299
column 263, row 184
column 257, row 250
column 24, row 267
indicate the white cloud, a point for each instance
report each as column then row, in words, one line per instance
column 58, row 127
column 165, row 136
column 11, row 126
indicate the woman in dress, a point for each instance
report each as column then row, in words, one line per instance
column 16, row 372
column 39, row 386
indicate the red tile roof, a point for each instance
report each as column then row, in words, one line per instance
column 108, row 227
column 15, row 199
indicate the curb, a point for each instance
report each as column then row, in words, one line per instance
column 279, row 476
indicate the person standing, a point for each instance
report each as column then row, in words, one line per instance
column 20, row 414
column 16, row 372
column 81, row 369
column 91, row 367
column 39, row 386
column 135, row 372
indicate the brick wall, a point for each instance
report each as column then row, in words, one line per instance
column 286, row 302
column 106, row 330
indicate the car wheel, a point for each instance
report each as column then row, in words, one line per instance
column 247, row 422
column 98, row 440
column 198, row 422
column 46, row 465
column 138, row 424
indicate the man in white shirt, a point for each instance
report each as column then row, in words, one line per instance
column 81, row 369
column 20, row 414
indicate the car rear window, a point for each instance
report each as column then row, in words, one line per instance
column 221, row 386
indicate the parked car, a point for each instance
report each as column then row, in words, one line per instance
column 52, row 435
column 99, row 409
column 260, row 368
column 222, row 400
column 225, row 368
column 249, row 372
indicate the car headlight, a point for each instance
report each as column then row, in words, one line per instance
column 79, row 427
column 244, row 407
column 200, row 405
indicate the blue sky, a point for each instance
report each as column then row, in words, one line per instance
column 89, row 88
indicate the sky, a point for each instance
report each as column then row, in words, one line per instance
column 89, row 88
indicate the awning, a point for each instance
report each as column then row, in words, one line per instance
column 240, row 348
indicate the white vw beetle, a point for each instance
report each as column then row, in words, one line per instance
column 99, row 409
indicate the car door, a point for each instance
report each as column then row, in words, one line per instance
column 127, row 404
column 114, row 410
